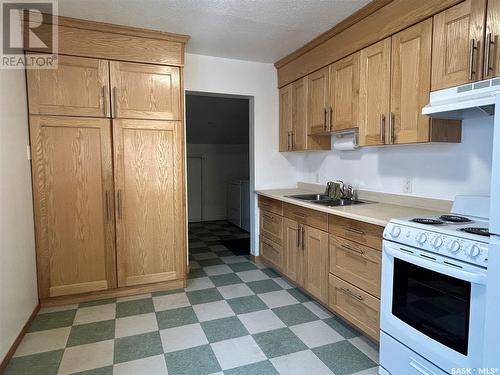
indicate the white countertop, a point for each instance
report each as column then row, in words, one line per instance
column 373, row 212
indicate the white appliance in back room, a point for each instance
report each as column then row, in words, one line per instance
column 440, row 303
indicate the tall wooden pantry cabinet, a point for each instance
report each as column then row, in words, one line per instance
column 107, row 141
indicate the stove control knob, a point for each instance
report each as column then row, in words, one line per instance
column 421, row 238
column 395, row 232
column 473, row 251
column 454, row 246
column 437, row 242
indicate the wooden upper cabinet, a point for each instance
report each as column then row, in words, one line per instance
column 374, row 93
column 78, row 87
column 145, row 91
column 410, row 83
column 316, row 250
column 318, row 102
column 150, row 207
column 299, row 115
column 285, row 108
column 457, row 51
column 73, row 204
column 492, row 41
column 344, row 93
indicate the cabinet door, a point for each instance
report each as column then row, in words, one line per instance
column 374, row 93
column 299, row 115
column 316, row 262
column 72, row 188
column 492, row 40
column 293, row 253
column 457, row 47
column 344, row 93
column 410, row 83
column 285, row 103
column 271, row 252
column 145, row 91
column 317, row 102
column 78, row 87
column 150, row 205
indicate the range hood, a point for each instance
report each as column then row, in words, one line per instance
column 453, row 102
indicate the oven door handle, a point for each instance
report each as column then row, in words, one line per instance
column 475, row 278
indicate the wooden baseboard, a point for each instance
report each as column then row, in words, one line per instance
column 17, row 341
column 113, row 293
column 257, row 258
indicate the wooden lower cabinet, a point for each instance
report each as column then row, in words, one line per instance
column 271, row 226
column 292, row 251
column 149, row 201
column 356, row 306
column 315, row 248
column 271, row 252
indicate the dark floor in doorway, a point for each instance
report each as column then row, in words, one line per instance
column 240, row 246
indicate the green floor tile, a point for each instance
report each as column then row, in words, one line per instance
column 279, row 342
column 204, row 296
column 97, row 302
column 299, row 295
column 210, row 262
column 167, row 292
column 343, row 358
column 136, row 307
column 138, row 346
column 243, row 305
column 224, row 253
column 176, row 317
column 342, row 327
column 259, row 368
column 294, row 314
column 92, row 332
column 200, row 360
column 53, row 320
column 108, row 370
column 270, row 272
column 223, row 329
column 226, row 279
column 36, row 364
column 195, row 273
column 199, row 250
column 243, row 266
column 264, row 286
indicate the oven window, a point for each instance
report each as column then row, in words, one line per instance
column 435, row 304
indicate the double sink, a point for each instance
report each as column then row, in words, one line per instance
column 325, row 200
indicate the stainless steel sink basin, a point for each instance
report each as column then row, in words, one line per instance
column 310, row 197
column 325, row 200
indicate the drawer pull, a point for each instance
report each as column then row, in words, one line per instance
column 360, row 252
column 269, row 216
column 357, row 231
column 351, row 294
column 297, row 214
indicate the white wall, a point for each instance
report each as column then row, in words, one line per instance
column 438, row 170
column 18, row 290
column 221, row 164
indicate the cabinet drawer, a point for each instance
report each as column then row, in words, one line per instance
column 357, row 231
column 271, row 252
column 355, row 263
column 306, row 216
column 271, row 226
column 358, row 307
column 271, row 205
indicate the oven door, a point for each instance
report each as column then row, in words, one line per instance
column 433, row 305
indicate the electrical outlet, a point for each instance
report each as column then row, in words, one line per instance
column 408, row 185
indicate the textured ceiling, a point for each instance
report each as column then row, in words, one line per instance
column 255, row 30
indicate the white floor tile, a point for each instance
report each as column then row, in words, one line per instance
column 213, row 310
column 133, row 298
column 260, row 321
column 235, row 290
column 300, row 363
column 145, row 366
column 316, row 333
column 170, row 301
column 43, row 341
column 278, row 298
column 203, row 256
column 198, row 284
column 318, row 310
column 135, row 324
column 369, row 348
column 283, row 283
column 237, row 352
column 233, row 259
column 87, row 357
column 219, row 269
column 370, row 371
column 50, row 309
column 183, row 337
column 93, row 314
column 252, row 275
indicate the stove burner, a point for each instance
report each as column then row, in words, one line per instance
column 455, row 219
column 476, row 230
column 427, row 221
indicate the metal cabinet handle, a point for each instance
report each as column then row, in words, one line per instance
column 360, row 252
column 120, row 210
column 391, row 128
column 382, row 128
column 487, row 55
column 331, row 119
column 115, row 105
column 472, row 48
column 108, row 206
column 303, row 231
column 351, row 294
column 324, row 119
column 288, row 141
column 292, row 143
column 357, row 231
column 105, row 100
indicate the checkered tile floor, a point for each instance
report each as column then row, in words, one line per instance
column 235, row 317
